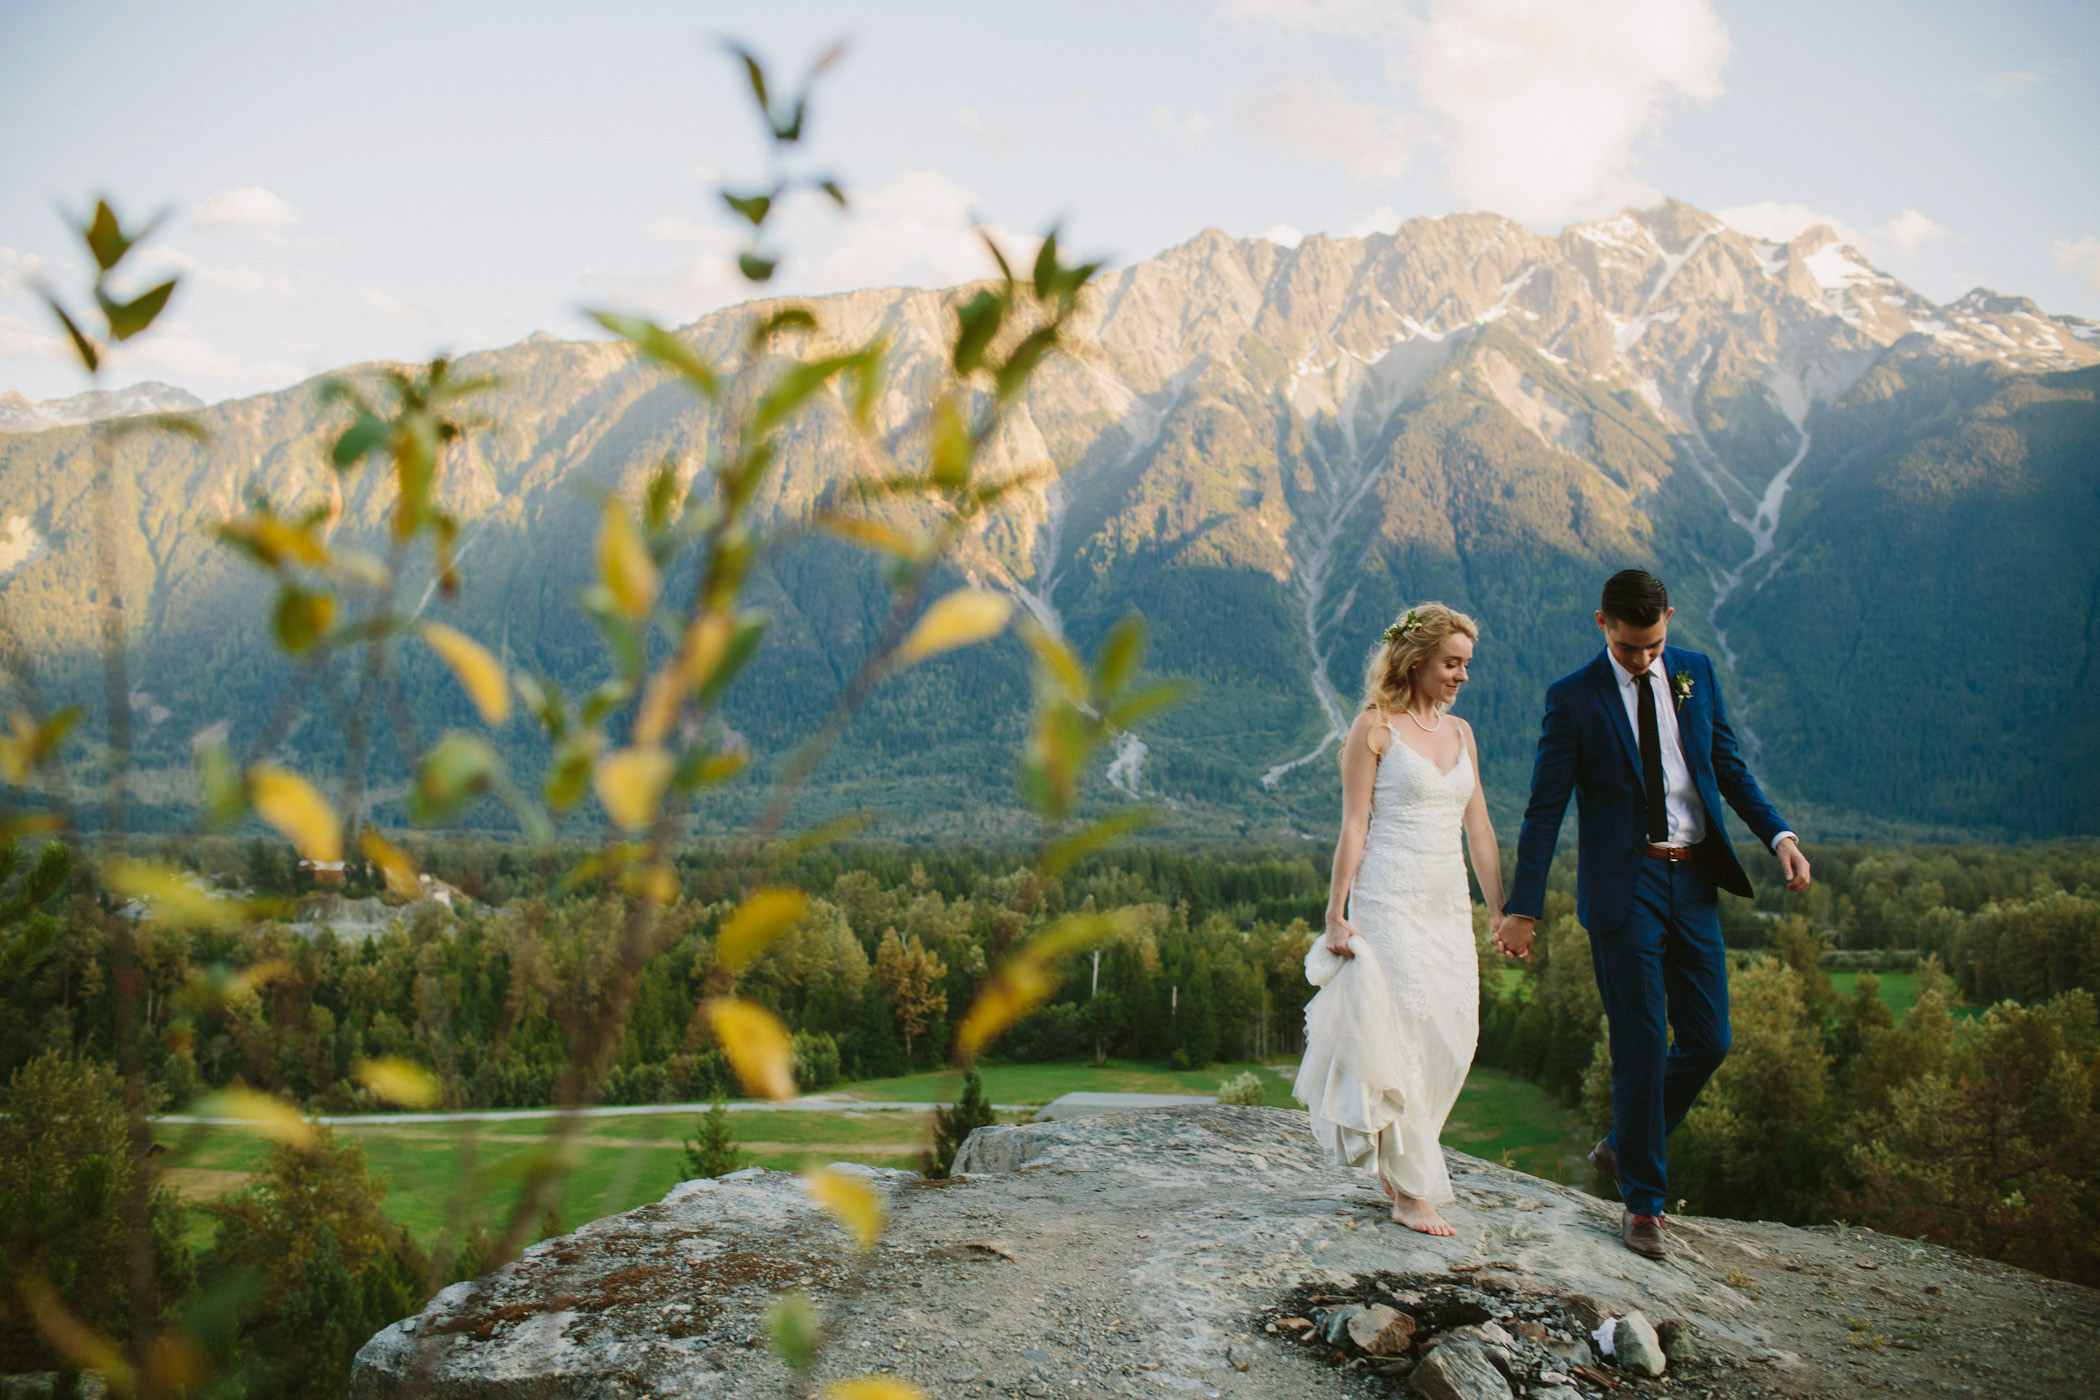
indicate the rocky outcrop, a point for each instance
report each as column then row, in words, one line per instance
column 1212, row 1252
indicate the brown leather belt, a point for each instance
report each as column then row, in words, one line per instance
column 1677, row 853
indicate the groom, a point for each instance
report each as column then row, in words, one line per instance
column 1639, row 737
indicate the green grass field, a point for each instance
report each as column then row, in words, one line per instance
column 442, row 1172
column 1899, row 993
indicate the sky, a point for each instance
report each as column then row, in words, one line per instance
column 344, row 183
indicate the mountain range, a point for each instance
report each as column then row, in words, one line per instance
column 1877, row 512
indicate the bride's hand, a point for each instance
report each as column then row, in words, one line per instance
column 1338, row 935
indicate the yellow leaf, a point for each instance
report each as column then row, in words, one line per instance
column 272, row 1117
column 1021, row 983
column 289, row 803
column 967, row 615
column 850, row 1200
column 398, row 1081
column 624, row 565
column 479, row 673
column 257, row 974
column 759, row 920
column 695, row 661
column 872, row 533
column 1014, row 990
column 630, row 782
column 757, row 1045
column 176, row 897
column 397, row 865
column 873, row 1388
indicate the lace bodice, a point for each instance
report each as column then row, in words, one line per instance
column 1417, row 811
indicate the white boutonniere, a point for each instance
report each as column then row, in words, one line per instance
column 1681, row 687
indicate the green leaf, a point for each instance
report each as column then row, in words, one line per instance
column 459, row 768
column 105, row 237
column 743, row 644
column 1046, row 266
column 660, row 345
column 302, row 617
column 754, row 207
column 833, row 188
column 1058, row 858
column 757, row 74
column 951, row 446
column 569, row 778
column 792, row 390
column 788, row 318
column 128, row 318
column 368, row 434
column 81, row 343
column 1026, row 356
column 978, row 320
column 1119, row 655
column 173, row 424
column 791, row 1319
column 1145, row 702
column 605, row 699
column 756, row 268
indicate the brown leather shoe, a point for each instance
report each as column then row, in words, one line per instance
column 1644, row 1235
column 1607, row 1161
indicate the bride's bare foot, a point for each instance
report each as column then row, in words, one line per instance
column 1417, row 1214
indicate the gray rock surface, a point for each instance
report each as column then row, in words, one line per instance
column 1637, row 1347
column 1460, row 1370
column 1138, row 1251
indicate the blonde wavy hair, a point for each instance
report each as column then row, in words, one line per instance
column 1389, row 682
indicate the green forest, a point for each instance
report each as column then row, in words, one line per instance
column 1971, row 1119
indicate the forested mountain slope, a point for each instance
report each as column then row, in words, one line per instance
column 1877, row 511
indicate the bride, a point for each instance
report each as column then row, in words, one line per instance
column 1391, row 1032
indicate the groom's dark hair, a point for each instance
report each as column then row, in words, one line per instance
column 1634, row 597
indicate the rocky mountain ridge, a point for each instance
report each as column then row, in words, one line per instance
column 1270, row 451
column 19, row 414
column 1214, row 1252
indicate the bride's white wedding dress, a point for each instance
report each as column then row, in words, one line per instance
column 1391, row 1032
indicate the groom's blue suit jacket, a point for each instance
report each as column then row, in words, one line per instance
column 1587, row 748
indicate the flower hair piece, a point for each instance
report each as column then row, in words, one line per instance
column 1401, row 628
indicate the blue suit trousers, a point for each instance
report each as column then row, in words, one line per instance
column 1664, row 967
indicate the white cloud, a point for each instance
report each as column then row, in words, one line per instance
column 1780, row 222
column 1909, row 229
column 1384, row 219
column 234, row 279
column 968, row 119
column 170, row 351
column 1283, row 235
column 1184, row 126
column 1538, row 105
column 22, row 271
column 19, row 340
column 249, row 209
column 393, row 308
column 1543, row 101
column 915, row 230
column 2081, row 259
column 1315, row 118
column 2009, row 84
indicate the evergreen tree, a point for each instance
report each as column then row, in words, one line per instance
column 951, row 1126
column 716, row 1153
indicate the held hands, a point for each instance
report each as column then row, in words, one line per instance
column 1338, row 935
column 1512, row 934
column 1792, row 864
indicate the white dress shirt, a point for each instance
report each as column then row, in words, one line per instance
column 1681, row 801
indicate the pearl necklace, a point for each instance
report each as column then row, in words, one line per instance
column 1426, row 728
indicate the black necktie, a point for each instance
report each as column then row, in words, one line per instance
column 1652, row 762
